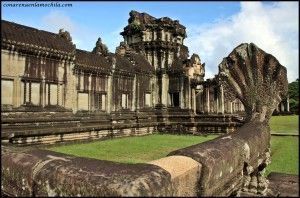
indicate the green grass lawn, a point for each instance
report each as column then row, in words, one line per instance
column 284, row 149
column 284, row 155
column 284, row 124
column 132, row 149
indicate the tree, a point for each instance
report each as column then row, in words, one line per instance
column 294, row 96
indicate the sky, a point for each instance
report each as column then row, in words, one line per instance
column 214, row 29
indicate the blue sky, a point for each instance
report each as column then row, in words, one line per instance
column 213, row 28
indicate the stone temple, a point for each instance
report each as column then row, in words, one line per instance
column 52, row 91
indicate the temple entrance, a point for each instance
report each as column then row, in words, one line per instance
column 174, row 99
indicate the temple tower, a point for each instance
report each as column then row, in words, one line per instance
column 161, row 42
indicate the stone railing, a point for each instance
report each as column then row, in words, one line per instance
column 232, row 164
column 52, row 127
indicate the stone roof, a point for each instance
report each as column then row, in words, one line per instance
column 142, row 65
column 31, row 38
column 138, row 60
column 141, row 21
column 92, row 61
column 123, row 64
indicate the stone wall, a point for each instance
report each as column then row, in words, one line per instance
column 60, row 125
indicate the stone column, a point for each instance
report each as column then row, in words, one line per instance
column 43, row 92
column 159, row 89
column 134, row 94
column 165, row 85
column 16, row 92
column 28, row 90
column 167, row 58
column 216, row 101
column 71, row 93
column 62, row 95
column 163, row 55
column 194, row 99
column 189, row 97
column 154, row 90
column 222, row 99
column 231, row 107
column 282, row 107
column 202, row 102
column 207, row 106
column 181, row 92
column 58, row 95
column 109, row 94
column 90, row 104
column 155, row 60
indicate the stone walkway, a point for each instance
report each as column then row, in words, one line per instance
column 284, row 185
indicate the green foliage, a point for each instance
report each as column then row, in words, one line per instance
column 294, row 95
column 132, row 149
column 294, row 105
column 135, row 26
column 284, row 124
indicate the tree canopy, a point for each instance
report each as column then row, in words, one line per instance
column 294, row 96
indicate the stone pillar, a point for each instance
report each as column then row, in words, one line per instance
column 90, row 104
column 43, row 92
column 28, row 90
column 222, row 99
column 154, row 90
column 134, row 94
column 155, row 60
column 194, row 99
column 164, row 91
column 71, row 93
column 231, row 107
column 62, row 95
column 181, row 92
column 216, row 101
column 202, row 102
column 16, row 92
column 282, row 107
column 109, row 94
column 167, row 58
column 163, row 61
column 207, row 106
column 159, row 89
column 58, row 95
column 189, row 98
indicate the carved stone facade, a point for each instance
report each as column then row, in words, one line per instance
column 149, row 77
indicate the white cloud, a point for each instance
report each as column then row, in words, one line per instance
column 273, row 27
column 83, row 37
column 56, row 20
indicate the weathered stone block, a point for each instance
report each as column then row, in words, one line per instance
column 185, row 173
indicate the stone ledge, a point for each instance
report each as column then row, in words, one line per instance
column 46, row 173
column 223, row 159
column 286, row 185
column 184, row 172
